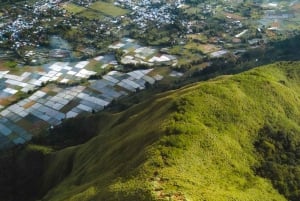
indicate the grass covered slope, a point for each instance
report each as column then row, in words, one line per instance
column 201, row 142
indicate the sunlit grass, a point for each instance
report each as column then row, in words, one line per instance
column 194, row 143
column 108, row 9
column 73, row 8
column 91, row 14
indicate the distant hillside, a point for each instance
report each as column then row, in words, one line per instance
column 230, row 138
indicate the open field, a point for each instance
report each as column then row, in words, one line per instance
column 97, row 10
column 19, row 71
column 91, row 14
column 72, row 8
column 4, row 101
column 192, row 10
column 108, row 9
column 200, row 37
column 233, row 16
column 204, row 48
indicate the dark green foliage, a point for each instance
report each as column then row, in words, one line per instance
column 21, row 172
column 73, row 132
column 194, row 2
column 280, row 152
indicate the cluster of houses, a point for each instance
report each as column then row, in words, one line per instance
column 27, row 27
column 28, row 18
column 44, row 5
column 33, row 17
column 146, row 11
column 14, row 28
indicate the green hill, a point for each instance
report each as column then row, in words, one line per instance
column 231, row 138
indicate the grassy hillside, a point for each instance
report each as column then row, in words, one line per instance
column 213, row 141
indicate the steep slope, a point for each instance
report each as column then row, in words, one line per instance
column 207, row 141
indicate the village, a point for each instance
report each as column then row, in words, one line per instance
column 29, row 26
column 74, row 58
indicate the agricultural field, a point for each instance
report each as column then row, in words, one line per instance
column 73, row 8
column 92, row 15
column 203, row 48
column 192, row 10
column 97, row 10
column 198, row 37
column 15, row 70
column 233, row 16
column 108, row 9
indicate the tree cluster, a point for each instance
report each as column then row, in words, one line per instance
column 280, row 153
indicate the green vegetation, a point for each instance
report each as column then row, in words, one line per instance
column 163, row 36
column 280, row 155
column 96, row 11
column 91, row 15
column 201, row 48
column 108, row 9
column 213, row 140
column 73, row 8
column 10, row 64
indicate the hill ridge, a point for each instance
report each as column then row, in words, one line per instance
column 212, row 140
